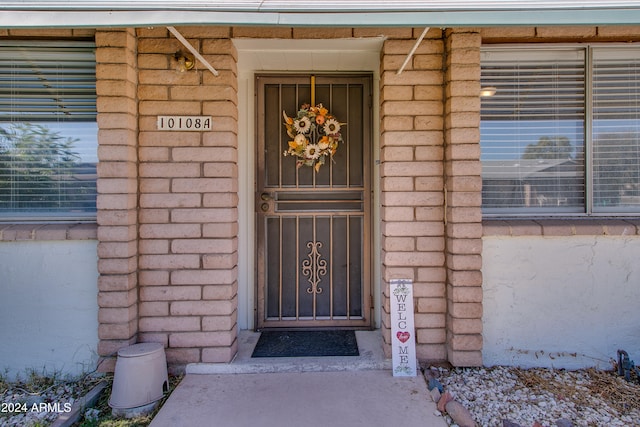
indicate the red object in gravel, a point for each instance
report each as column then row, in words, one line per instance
column 444, row 399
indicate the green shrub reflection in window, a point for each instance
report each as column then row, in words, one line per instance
column 40, row 170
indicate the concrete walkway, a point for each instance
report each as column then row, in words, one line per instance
column 300, row 392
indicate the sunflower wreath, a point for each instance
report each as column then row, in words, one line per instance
column 315, row 134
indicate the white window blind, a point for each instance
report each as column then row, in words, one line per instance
column 532, row 131
column 616, row 130
column 48, row 131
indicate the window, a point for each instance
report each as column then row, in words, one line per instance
column 48, row 130
column 560, row 136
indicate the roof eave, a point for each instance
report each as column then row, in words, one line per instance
column 452, row 18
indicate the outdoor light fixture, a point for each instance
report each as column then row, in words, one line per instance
column 192, row 50
column 185, row 61
column 487, row 91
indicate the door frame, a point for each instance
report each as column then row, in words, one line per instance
column 361, row 55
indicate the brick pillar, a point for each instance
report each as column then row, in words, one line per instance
column 463, row 183
column 412, row 194
column 117, row 191
column 188, row 199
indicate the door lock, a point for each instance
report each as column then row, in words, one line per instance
column 264, row 207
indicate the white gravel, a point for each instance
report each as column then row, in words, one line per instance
column 524, row 397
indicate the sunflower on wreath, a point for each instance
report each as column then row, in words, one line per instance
column 315, row 135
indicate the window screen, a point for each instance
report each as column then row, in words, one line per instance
column 48, row 131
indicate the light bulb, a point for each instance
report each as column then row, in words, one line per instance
column 184, row 62
column 182, row 65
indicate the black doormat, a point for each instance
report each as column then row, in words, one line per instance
column 306, row 344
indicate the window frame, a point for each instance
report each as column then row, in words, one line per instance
column 587, row 209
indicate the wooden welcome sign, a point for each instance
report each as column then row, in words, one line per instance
column 403, row 343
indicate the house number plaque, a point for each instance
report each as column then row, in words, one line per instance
column 403, row 342
column 184, row 123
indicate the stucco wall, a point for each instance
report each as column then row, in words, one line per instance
column 48, row 308
column 567, row 302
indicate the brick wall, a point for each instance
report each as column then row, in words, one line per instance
column 412, row 196
column 431, row 190
column 117, row 191
column 463, row 183
column 167, row 203
column 565, row 34
column 188, row 199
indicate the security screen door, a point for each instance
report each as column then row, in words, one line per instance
column 313, row 227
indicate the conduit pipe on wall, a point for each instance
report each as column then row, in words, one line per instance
column 191, row 49
column 413, row 50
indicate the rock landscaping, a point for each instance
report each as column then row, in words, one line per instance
column 38, row 400
column 50, row 401
column 483, row 397
column 513, row 397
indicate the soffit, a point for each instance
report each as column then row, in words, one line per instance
column 303, row 55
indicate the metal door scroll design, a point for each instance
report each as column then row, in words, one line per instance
column 314, row 267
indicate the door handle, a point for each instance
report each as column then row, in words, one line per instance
column 266, row 196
